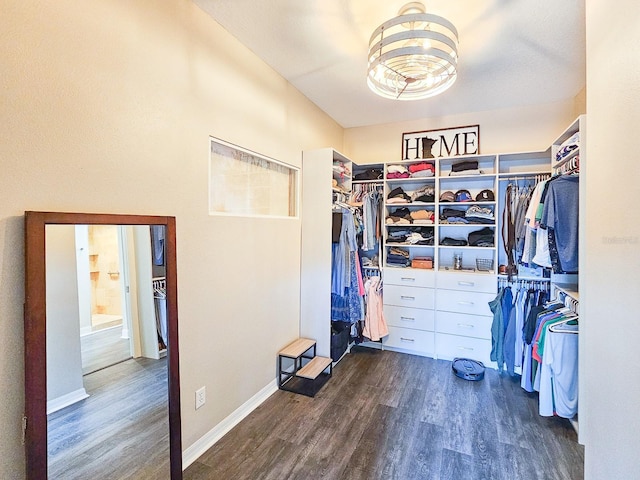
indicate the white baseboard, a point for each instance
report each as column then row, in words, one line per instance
column 209, row 439
column 66, row 400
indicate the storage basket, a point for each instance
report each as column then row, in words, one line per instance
column 484, row 264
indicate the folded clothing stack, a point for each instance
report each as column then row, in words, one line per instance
column 369, row 174
column 422, row 170
column 453, row 215
column 478, row 214
column 398, row 235
column 413, row 236
column 398, row 195
column 453, row 242
column 422, row 236
column 400, row 216
column 422, row 217
column 482, row 238
column 465, row 167
column 403, row 216
column 397, row 171
column 568, row 146
column 427, row 193
column 398, row 257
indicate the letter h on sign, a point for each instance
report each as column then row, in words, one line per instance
column 446, row 142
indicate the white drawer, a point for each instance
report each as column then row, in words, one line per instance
column 413, row 277
column 408, row 339
column 468, row 282
column 415, row 318
column 449, row 347
column 473, row 303
column 461, row 324
column 412, row 297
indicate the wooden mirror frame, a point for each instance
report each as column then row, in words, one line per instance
column 35, row 329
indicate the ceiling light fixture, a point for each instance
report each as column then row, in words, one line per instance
column 413, row 56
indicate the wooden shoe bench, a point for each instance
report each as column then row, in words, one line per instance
column 306, row 372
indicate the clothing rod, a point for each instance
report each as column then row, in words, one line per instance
column 529, row 177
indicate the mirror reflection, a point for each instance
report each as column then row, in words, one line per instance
column 107, row 409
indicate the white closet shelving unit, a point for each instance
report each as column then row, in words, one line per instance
column 439, row 312
column 573, row 285
column 443, row 312
column 316, row 213
column 522, row 169
column 474, row 184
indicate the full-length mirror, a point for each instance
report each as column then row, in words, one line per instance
column 101, row 347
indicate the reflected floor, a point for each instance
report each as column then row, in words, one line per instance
column 103, row 348
column 121, row 431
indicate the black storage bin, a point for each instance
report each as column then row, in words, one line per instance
column 339, row 339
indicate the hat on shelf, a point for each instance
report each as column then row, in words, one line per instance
column 463, row 196
column 485, row 196
column 447, row 196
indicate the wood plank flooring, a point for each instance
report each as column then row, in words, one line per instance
column 386, row 415
column 120, row 432
column 103, row 348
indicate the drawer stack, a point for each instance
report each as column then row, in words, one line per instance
column 409, row 303
column 463, row 317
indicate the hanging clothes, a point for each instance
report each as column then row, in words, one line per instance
column 559, row 373
column 370, row 214
column 346, row 278
column 560, row 216
column 375, row 326
column 497, row 330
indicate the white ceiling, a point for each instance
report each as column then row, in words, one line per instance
column 512, row 52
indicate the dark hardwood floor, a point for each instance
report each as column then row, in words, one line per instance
column 387, row 415
column 120, row 432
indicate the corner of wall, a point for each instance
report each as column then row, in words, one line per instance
column 580, row 102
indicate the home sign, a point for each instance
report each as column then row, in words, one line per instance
column 444, row 142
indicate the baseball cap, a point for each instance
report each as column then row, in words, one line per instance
column 447, row 196
column 485, row 196
column 463, row 196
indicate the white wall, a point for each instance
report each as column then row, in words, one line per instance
column 107, row 106
column 501, row 131
column 84, row 278
column 613, row 240
column 146, row 313
column 64, row 359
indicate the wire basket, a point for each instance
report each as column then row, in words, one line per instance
column 484, row 264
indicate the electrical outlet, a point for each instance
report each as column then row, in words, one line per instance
column 201, row 397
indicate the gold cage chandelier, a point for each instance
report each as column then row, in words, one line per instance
column 413, row 56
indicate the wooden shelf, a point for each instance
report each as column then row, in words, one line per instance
column 297, row 348
column 314, row 368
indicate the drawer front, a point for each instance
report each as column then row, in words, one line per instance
column 473, row 303
column 449, row 347
column 466, row 325
column 412, row 297
column 412, row 277
column 409, row 339
column 468, row 282
column 415, row 318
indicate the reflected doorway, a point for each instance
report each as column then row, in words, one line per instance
column 103, row 285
